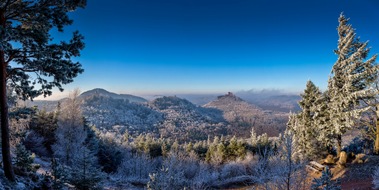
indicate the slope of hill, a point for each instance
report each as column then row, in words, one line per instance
column 242, row 116
column 184, row 120
column 164, row 117
column 106, row 112
column 104, row 93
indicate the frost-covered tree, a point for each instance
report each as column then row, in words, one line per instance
column 253, row 137
column 289, row 169
column 351, row 76
column 304, row 128
column 135, row 168
column 70, row 134
column 85, row 173
column 323, row 122
column 30, row 58
column 177, row 172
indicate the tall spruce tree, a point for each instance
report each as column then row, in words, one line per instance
column 304, row 127
column 30, row 57
column 322, row 121
column 350, row 79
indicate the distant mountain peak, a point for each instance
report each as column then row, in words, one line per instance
column 105, row 93
column 229, row 96
column 99, row 90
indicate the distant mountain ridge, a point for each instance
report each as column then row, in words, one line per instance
column 274, row 100
column 176, row 117
column 105, row 93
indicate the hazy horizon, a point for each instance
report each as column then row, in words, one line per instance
column 59, row 95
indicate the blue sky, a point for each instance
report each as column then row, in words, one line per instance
column 213, row 46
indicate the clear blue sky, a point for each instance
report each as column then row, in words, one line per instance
column 200, row 46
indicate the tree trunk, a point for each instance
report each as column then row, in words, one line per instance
column 7, row 160
column 339, row 145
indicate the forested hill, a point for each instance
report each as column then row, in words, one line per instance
column 242, row 115
column 104, row 93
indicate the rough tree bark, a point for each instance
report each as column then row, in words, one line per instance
column 7, row 160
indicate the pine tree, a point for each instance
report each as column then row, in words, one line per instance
column 325, row 182
column 305, row 128
column 291, row 168
column 59, row 174
column 85, row 174
column 220, row 154
column 351, row 78
column 26, row 42
column 45, row 124
column 24, row 158
column 253, row 137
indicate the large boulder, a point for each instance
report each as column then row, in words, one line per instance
column 329, row 160
column 360, row 159
column 343, row 159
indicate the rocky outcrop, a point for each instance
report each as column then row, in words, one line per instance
column 329, row 160
column 342, row 160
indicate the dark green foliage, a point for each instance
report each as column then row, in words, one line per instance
column 359, row 145
column 92, row 141
column 235, row 149
column 85, row 174
column 21, row 112
column 200, row 150
column 189, row 147
column 45, row 124
column 154, row 150
column 149, row 145
column 24, row 158
column 225, row 150
column 164, row 148
column 109, row 156
column 59, row 174
column 325, row 182
column 304, row 124
column 261, row 145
